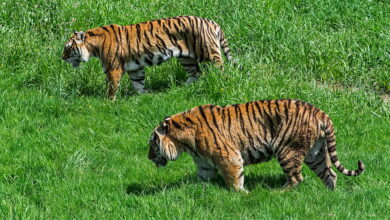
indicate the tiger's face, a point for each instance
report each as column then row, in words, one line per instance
column 168, row 141
column 75, row 50
column 156, row 149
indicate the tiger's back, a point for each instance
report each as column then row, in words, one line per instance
column 227, row 138
column 130, row 48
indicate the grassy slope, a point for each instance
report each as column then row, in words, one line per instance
column 68, row 152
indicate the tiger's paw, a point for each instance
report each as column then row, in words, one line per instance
column 243, row 191
column 142, row 91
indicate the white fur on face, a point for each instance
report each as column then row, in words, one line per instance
column 85, row 55
column 167, row 148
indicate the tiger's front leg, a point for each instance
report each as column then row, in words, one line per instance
column 113, row 79
column 232, row 170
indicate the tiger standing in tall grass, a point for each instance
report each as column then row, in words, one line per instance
column 130, row 48
column 225, row 139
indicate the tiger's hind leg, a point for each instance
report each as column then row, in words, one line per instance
column 191, row 66
column 291, row 161
column 319, row 161
column 216, row 57
column 138, row 80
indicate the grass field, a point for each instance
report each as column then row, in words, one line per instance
column 66, row 152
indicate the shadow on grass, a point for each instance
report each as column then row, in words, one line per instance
column 143, row 189
column 251, row 182
column 264, row 181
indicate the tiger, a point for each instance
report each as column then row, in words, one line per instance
column 132, row 47
column 225, row 139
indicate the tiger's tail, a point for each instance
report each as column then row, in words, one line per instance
column 331, row 144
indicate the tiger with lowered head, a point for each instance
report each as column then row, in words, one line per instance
column 132, row 47
column 225, row 139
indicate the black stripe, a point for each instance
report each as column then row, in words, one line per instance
column 287, row 109
column 208, row 125
column 259, row 120
column 173, row 40
column 253, row 112
column 288, row 169
column 272, row 130
column 314, row 164
column 137, row 26
column 105, row 28
column 277, row 113
column 241, row 141
column 248, row 115
column 127, row 39
column 193, row 35
column 332, row 148
column 160, row 59
column 164, row 45
column 334, row 158
column 176, row 27
column 138, row 79
column 147, row 39
column 148, row 61
column 200, row 56
column 151, row 28
column 176, row 124
column 229, row 119
column 149, row 53
column 285, row 162
column 330, row 140
column 291, row 125
column 213, row 117
column 161, row 50
column 322, row 173
column 189, row 120
column 269, row 151
column 200, row 122
column 91, row 34
column 241, row 119
column 241, row 174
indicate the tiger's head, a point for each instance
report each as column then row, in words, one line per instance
column 172, row 137
column 75, row 50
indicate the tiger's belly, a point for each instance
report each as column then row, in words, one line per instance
column 155, row 58
column 253, row 155
column 140, row 63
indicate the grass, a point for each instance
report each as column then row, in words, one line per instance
column 67, row 152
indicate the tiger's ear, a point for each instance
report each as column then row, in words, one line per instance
column 80, row 35
column 163, row 128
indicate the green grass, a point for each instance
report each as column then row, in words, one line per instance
column 69, row 153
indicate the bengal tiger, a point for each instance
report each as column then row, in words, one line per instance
column 132, row 47
column 225, row 139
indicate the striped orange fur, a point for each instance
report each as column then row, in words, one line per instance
column 225, row 139
column 132, row 47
